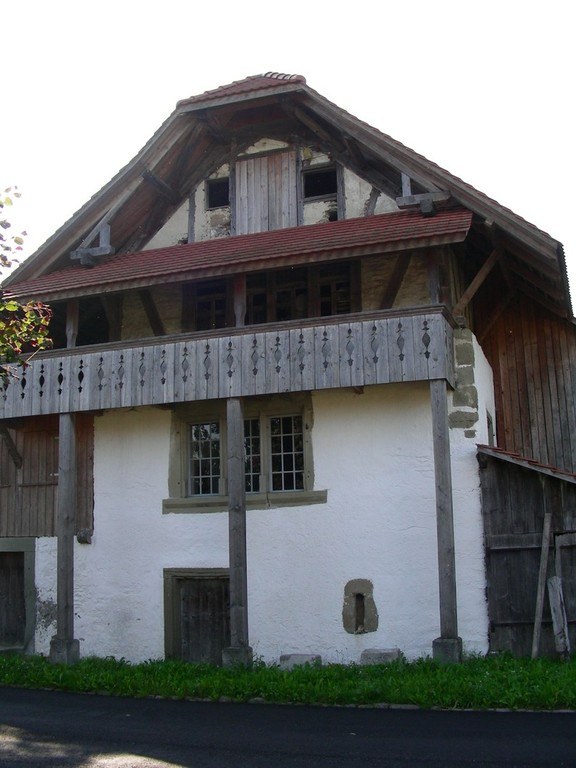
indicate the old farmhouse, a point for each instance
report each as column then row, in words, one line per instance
column 308, row 393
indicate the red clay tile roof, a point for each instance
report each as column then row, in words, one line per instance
column 247, row 85
column 373, row 234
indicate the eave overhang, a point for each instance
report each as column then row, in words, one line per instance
column 350, row 238
column 525, row 463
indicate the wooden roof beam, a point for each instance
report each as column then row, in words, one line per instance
column 355, row 152
column 87, row 256
column 541, row 282
column 317, row 129
column 426, row 201
column 164, row 189
column 544, row 300
column 478, row 280
column 214, row 126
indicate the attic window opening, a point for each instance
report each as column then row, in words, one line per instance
column 321, row 183
column 217, row 193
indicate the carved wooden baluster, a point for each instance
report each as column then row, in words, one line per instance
column 400, row 341
column 230, row 360
column 426, row 339
column 326, row 350
column 301, row 353
column 121, row 372
column 255, row 356
column 374, row 344
column 350, row 347
column 277, row 354
column 100, row 373
column 60, row 378
column 80, row 375
column 185, row 364
column 207, row 362
column 41, row 380
column 23, row 383
column 142, row 370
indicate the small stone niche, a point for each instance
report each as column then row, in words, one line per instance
column 359, row 614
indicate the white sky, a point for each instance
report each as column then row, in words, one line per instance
column 484, row 89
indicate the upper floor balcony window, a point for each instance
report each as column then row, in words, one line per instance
column 277, row 296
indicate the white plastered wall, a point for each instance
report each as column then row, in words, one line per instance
column 373, row 454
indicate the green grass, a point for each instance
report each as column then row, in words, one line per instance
column 478, row 683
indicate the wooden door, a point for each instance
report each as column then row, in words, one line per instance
column 266, row 193
column 513, row 504
column 204, row 619
column 12, row 600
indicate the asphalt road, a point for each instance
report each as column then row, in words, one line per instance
column 45, row 729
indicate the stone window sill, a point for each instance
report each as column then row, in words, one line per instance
column 201, row 504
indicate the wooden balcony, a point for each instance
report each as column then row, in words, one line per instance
column 351, row 351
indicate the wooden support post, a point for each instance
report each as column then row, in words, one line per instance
column 239, row 300
column 72, row 321
column 240, row 651
column 559, row 618
column 544, row 552
column 447, row 647
column 64, row 649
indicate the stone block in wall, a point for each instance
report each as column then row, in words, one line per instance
column 291, row 660
column 380, row 655
column 466, row 397
column 462, row 419
column 464, row 375
column 463, row 347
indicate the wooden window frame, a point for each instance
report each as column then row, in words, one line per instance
column 262, row 409
column 190, row 298
column 213, row 182
column 315, row 276
column 320, row 168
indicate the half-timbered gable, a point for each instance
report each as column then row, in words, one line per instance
column 278, row 337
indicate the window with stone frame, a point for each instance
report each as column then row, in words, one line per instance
column 278, row 455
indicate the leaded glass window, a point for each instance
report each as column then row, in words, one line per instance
column 253, row 454
column 204, row 458
column 287, row 453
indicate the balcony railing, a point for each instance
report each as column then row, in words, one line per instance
column 355, row 351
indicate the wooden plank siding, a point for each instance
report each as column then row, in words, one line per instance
column 513, row 513
column 533, row 357
column 266, row 196
column 388, row 347
column 28, row 494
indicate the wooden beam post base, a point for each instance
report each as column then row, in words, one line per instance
column 237, row 657
column 64, row 651
column 447, row 650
